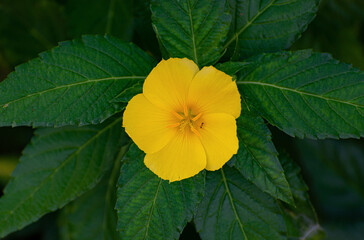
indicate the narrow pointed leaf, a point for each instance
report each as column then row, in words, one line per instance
column 257, row 157
column 306, row 94
column 56, row 167
column 151, row 208
column 233, row 208
column 267, row 25
column 195, row 29
column 73, row 83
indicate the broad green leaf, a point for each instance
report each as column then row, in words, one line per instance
column 301, row 220
column 92, row 216
column 267, row 25
column 151, row 208
column 99, row 17
column 335, row 171
column 306, row 94
column 126, row 95
column 73, row 83
column 257, row 157
column 56, row 167
column 233, row 208
column 195, row 29
column 28, row 27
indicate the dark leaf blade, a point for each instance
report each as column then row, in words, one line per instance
column 306, row 94
column 233, row 208
column 96, row 208
column 58, row 165
column 151, row 208
column 195, row 29
column 72, row 84
column 257, row 157
column 301, row 220
column 267, row 25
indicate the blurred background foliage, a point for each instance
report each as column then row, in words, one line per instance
column 333, row 169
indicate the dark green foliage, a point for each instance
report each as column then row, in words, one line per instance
column 234, row 208
column 72, row 84
column 306, row 94
column 195, row 29
column 56, row 167
column 267, row 25
column 151, row 208
column 257, row 157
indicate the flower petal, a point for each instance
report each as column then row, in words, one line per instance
column 213, row 91
column 147, row 124
column 182, row 158
column 167, row 85
column 219, row 138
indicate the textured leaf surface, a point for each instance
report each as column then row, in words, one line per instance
column 92, row 216
column 267, row 25
column 301, row 220
column 306, row 94
column 233, row 208
column 56, row 167
column 257, row 157
column 73, row 83
column 151, row 208
column 99, row 17
column 195, row 29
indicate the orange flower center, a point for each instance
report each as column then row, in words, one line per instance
column 186, row 119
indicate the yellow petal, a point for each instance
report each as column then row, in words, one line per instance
column 219, row 138
column 181, row 158
column 167, row 85
column 213, row 91
column 147, row 124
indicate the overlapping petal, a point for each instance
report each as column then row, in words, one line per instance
column 219, row 138
column 168, row 83
column 213, row 91
column 183, row 157
column 148, row 124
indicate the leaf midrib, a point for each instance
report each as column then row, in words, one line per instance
column 152, row 209
column 232, row 204
column 59, row 167
column 192, row 31
column 5, row 105
column 248, row 24
column 300, row 92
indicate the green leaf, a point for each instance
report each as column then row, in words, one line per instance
column 96, row 208
column 56, row 167
column 195, row 29
column 301, row 220
column 257, row 157
column 335, row 171
column 73, row 83
column 233, row 208
column 267, row 25
column 151, row 208
column 99, row 17
column 306, row 94
column 126, row 95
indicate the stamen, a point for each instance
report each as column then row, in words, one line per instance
column 185, row 110
column 177, row 115
column 173, row 125
column 195, row 131
column 197, row 117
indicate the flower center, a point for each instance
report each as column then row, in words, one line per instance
column 186, row 120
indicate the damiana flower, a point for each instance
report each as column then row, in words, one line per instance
column 185, row 119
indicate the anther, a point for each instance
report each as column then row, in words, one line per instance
column 197, row 117
column 177, row 115
column 195, row 131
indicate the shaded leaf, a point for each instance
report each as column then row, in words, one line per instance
column 56, row 167
column 73, row 83
column 306, row 94
column 233, row 208
column 267, row 25
column 151, row 208
column 195, row 29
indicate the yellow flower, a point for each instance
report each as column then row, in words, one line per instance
column 185, row 119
